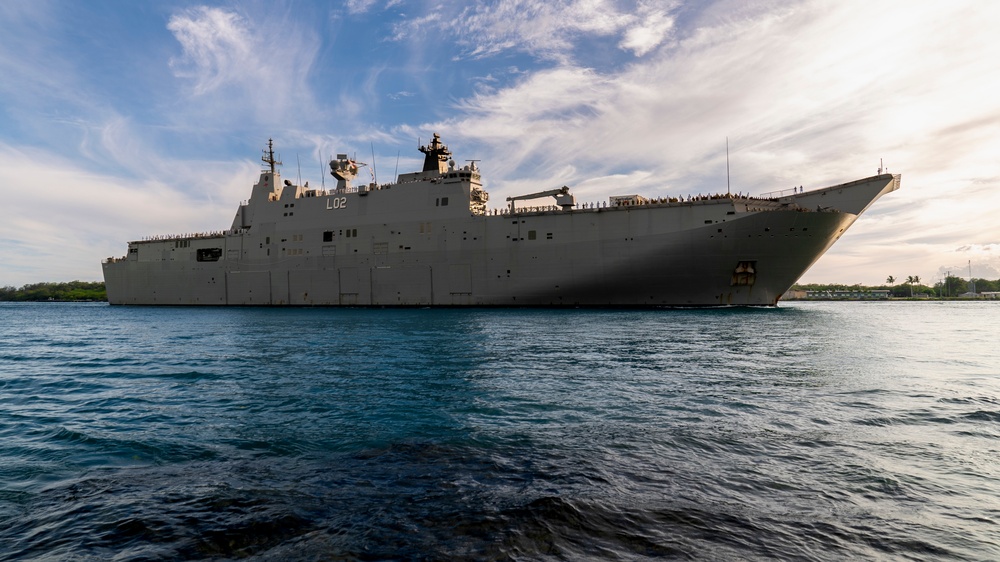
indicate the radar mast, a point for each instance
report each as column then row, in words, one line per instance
column 436, row 155
column 268, row 156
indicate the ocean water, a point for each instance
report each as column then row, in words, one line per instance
column 814, row 431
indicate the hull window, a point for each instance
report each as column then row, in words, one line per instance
column 209, row 254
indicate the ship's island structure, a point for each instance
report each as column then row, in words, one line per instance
column 429, row 239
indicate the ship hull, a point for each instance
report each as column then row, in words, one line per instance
column 712, row 252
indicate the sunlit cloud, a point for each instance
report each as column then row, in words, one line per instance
column 60, row 219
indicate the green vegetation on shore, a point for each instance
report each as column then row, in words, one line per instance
column 950, row 286
column 71, row 291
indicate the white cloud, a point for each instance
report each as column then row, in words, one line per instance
column 235, row 64
column 651, row 29
column 359, row 6
column 548, row 29
column 61, row 220
column 217, row 48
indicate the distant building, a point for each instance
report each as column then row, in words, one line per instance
column 990, row 294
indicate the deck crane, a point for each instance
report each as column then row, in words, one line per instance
column 564, row 198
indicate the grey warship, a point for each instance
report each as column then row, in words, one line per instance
column 430, row 239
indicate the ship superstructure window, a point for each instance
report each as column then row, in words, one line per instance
column 328, row 236
column 532, row 235
column 182, row 244
column 209, row 254
column 441, row 202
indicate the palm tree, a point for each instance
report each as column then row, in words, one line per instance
column 890, row 280
column 911, row 279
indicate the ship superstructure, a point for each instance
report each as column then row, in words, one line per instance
column 429, row 239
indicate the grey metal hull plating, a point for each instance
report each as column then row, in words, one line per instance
column 666, row 254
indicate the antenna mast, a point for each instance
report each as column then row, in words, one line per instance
column 374, row 173
column 728, row 192
column 322, row 175
column 972, row 283
column 268, row 156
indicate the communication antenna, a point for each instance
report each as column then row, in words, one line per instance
column 374, row 173
column 728, row 192
column 299, row 166
column 396, row 173
column 322, row 174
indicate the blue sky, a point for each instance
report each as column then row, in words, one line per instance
column 122, row 119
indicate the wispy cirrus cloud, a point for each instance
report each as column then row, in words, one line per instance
column 549, row 29
column 218, row 48
column 233, row 62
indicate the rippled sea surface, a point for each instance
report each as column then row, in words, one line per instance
column 821, row 431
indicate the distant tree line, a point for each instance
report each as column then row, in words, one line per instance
column 954, row 286
column 71, row 291
column 951, row 286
